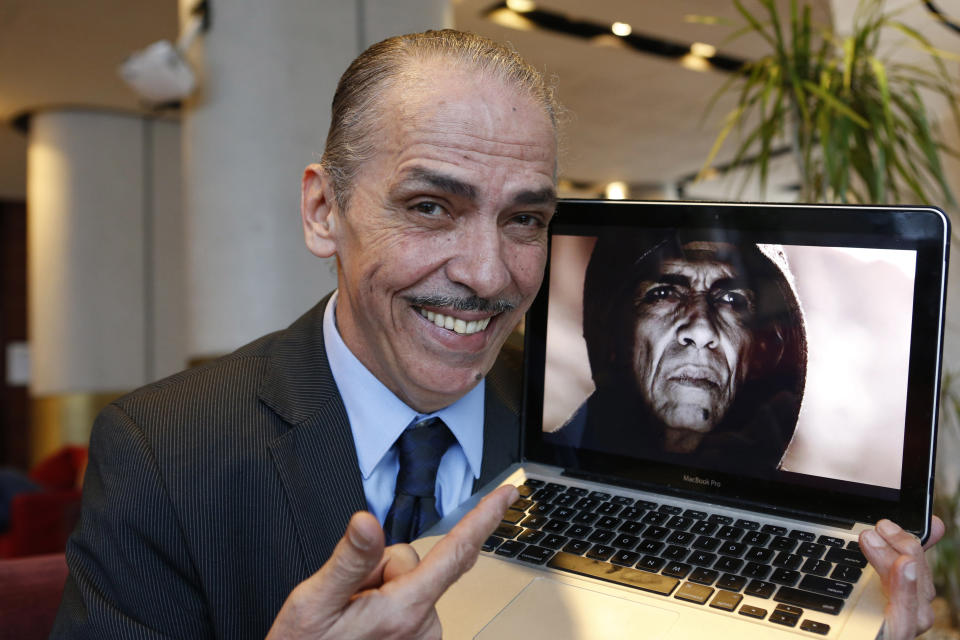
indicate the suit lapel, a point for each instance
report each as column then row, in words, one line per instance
column 316, row 458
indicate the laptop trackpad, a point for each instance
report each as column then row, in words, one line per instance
column 551, row 610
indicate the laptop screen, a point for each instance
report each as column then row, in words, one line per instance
column 782, row 356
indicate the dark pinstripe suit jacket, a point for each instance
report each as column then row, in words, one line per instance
column 209, row 495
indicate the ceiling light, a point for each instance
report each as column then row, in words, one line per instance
column 703, row 50
column 511, row 20
column 521, row 6
column 621, row 29
column 695, row 63
column 617, row 190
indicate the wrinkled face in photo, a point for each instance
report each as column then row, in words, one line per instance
column 691, row 339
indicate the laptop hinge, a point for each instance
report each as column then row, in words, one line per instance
column 793, row 514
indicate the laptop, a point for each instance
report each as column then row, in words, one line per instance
column 718, row 398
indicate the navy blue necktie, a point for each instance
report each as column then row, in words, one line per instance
column 414, row 507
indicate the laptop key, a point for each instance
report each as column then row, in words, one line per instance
column 729, row 532
column 578, row 491
column 651, row 563
column 625, row 558
column 609, row 509
column 756, row 538
column 544, row 495
column 531, row 536
column 600, row 552
column 702, row 558
column 732, row 549
column 566, row 499
column 556, row 526
column 730, row 565
column 563, row 513
column 847, row 573
column 600, row 495
column 625, row 541
column 747, row 524
column 827, row 587
column 513, row 516
column 812, row 549
column 587, row 504
column 623, row 500
column 554, row 541
column 608, row 522
column 773, row 529
column 649, row 546
column 704, row 576
column 600, row 535
column 815, row 627
column 541, row 509
column 578, row 531
column 655, row 517
column 706, row 543
column 670, row 509
column 586, row 517
column 695, row 593
column 491, row 543
column 787, row 560
column 704, row 528
column 784, row 618
column 816, row 567
column 578, row 547
column 753, row 612
column 731, row 582
column 760, row 589
column 645, row 504
column 655, row 532
column 534, row 522
column 676, row 569
column 720, row 519
column 846, row 556
column 535, row 554
column 755, row 570
column 681, row 537
column 508, row 531
column 679, row 522
column 632, row 528
column 831, row 540
column 783, row 543
column 726, row 600
column 788, row 577
column 644, row 580
column 675, row 552
column 693, row 514
column 759, row 554
column 522, row 504
column 510, row 548
column 534, row 482
column 632, row 513
column 809, row 600
column 525, row 490
column 805, row 536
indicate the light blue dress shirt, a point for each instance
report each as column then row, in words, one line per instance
column 378, row 417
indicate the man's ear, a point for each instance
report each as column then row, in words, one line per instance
column 318, row 209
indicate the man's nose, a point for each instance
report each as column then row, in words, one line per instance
column 480, row 261
column 696, row 327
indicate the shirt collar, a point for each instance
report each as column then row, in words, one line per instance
column 378, row 417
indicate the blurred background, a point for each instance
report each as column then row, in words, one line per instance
column 149, row 190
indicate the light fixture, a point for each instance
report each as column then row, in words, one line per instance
column 521, row 6
column 695, row 63
column 511, row 20
column 617, row 190
column 703, row 50
column 621, row 29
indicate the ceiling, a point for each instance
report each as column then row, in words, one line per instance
column 632, row 116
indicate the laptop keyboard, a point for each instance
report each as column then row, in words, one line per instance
column 691, row 555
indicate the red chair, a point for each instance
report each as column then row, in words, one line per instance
column 41, row 521
column 30, row 592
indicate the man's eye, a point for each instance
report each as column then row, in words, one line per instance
column 429, row 208
column 527, row 220
column 663, row 292
column 735, row 300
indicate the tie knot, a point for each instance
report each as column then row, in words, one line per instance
column 420, row 448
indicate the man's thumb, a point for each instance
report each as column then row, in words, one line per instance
column 355, row 556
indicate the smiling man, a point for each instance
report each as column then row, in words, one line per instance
column 271, row 492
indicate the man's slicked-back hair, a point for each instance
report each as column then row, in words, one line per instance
column 356, row 104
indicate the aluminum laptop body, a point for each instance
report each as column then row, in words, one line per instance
column 667, row 494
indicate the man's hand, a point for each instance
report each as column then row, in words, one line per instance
column 366, row 591
column 898, row 558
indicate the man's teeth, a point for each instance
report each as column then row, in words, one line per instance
column 455, row 324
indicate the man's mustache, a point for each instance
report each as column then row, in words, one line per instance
column 460, row 303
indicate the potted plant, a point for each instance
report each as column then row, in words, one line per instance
column 853, row 115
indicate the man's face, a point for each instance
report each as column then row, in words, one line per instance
column 443, row 246
column 692, row 340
